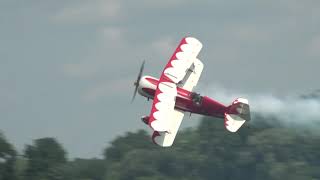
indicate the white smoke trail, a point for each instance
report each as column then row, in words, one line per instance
column 288, row 111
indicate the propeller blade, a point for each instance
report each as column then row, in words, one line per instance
column 134, row 94
column 136, row 83
column 140, row 72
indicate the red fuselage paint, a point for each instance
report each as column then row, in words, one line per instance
column 184, row 100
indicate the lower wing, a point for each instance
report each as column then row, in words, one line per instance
column 165, row 139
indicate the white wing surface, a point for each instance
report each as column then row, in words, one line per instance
column 165, row 139
column 183, row 70
column 192, row 76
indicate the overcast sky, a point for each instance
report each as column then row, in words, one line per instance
column 67, row 67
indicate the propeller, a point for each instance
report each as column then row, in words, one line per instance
column 136, row 83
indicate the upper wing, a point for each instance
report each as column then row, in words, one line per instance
column 182, row 60
column 166, row 139
column 191, row 78
column 163, row 115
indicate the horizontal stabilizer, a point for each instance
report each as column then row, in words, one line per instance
column 237, row 114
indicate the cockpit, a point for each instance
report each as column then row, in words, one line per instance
column 196, row 98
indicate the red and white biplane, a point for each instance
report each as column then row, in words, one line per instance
column 172, row 95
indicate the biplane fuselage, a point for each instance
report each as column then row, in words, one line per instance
column 172, row 95
column 185, row 100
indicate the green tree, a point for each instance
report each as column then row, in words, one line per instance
column 7, row 160
column 82, row 169
column 135, row 157
column 210, row 152
column 122, row 145
column 43, row 157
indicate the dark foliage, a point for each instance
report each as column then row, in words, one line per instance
column 210, row 152
column 43, row 156
column 265, row 151
column 7, row 160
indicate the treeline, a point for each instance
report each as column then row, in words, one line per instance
column 207, row 152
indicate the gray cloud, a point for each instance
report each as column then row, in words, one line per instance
column 314, row 48
column 85, row 12
column 108, row 89
column 68, row 67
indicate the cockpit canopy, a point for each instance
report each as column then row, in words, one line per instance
column 196, row 98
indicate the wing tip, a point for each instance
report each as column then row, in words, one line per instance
column 194, row 41
column 159, row 139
